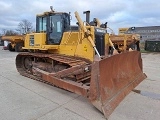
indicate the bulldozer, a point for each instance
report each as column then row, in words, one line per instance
column 76, row 58
column 16, row 42
column 125, row 42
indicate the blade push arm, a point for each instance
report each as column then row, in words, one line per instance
column 86, row 32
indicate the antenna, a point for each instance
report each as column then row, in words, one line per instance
column 51, row 7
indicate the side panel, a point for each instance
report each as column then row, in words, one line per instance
column 74, row 43
column 68, row 44
column 85, row 49
column 35, row 41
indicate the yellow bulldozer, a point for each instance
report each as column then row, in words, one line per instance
column 125, row 42
column 76, row 58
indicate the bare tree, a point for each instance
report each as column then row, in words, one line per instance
column 8, row 32
column 4, row 31
column 24, row 27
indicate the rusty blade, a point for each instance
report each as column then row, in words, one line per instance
column 113, row 78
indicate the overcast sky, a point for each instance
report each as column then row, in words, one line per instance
column 118, row 13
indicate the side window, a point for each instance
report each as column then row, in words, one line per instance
column 66, row 21
column 42, row 24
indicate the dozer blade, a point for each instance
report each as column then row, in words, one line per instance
column 113, row 78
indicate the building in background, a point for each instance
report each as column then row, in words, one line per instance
column 146, row 33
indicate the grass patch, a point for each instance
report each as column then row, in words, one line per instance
column 144, row 51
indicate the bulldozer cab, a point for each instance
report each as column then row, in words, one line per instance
column 53, row 24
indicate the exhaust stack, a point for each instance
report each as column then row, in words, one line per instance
column 87, row 16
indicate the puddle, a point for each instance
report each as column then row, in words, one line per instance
column 148, row 94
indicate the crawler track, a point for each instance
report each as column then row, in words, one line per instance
column 67, row 60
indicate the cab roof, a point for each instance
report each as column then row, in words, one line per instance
column 50, row 12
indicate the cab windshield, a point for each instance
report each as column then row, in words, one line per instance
column 52, row 25
column 55, row 29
